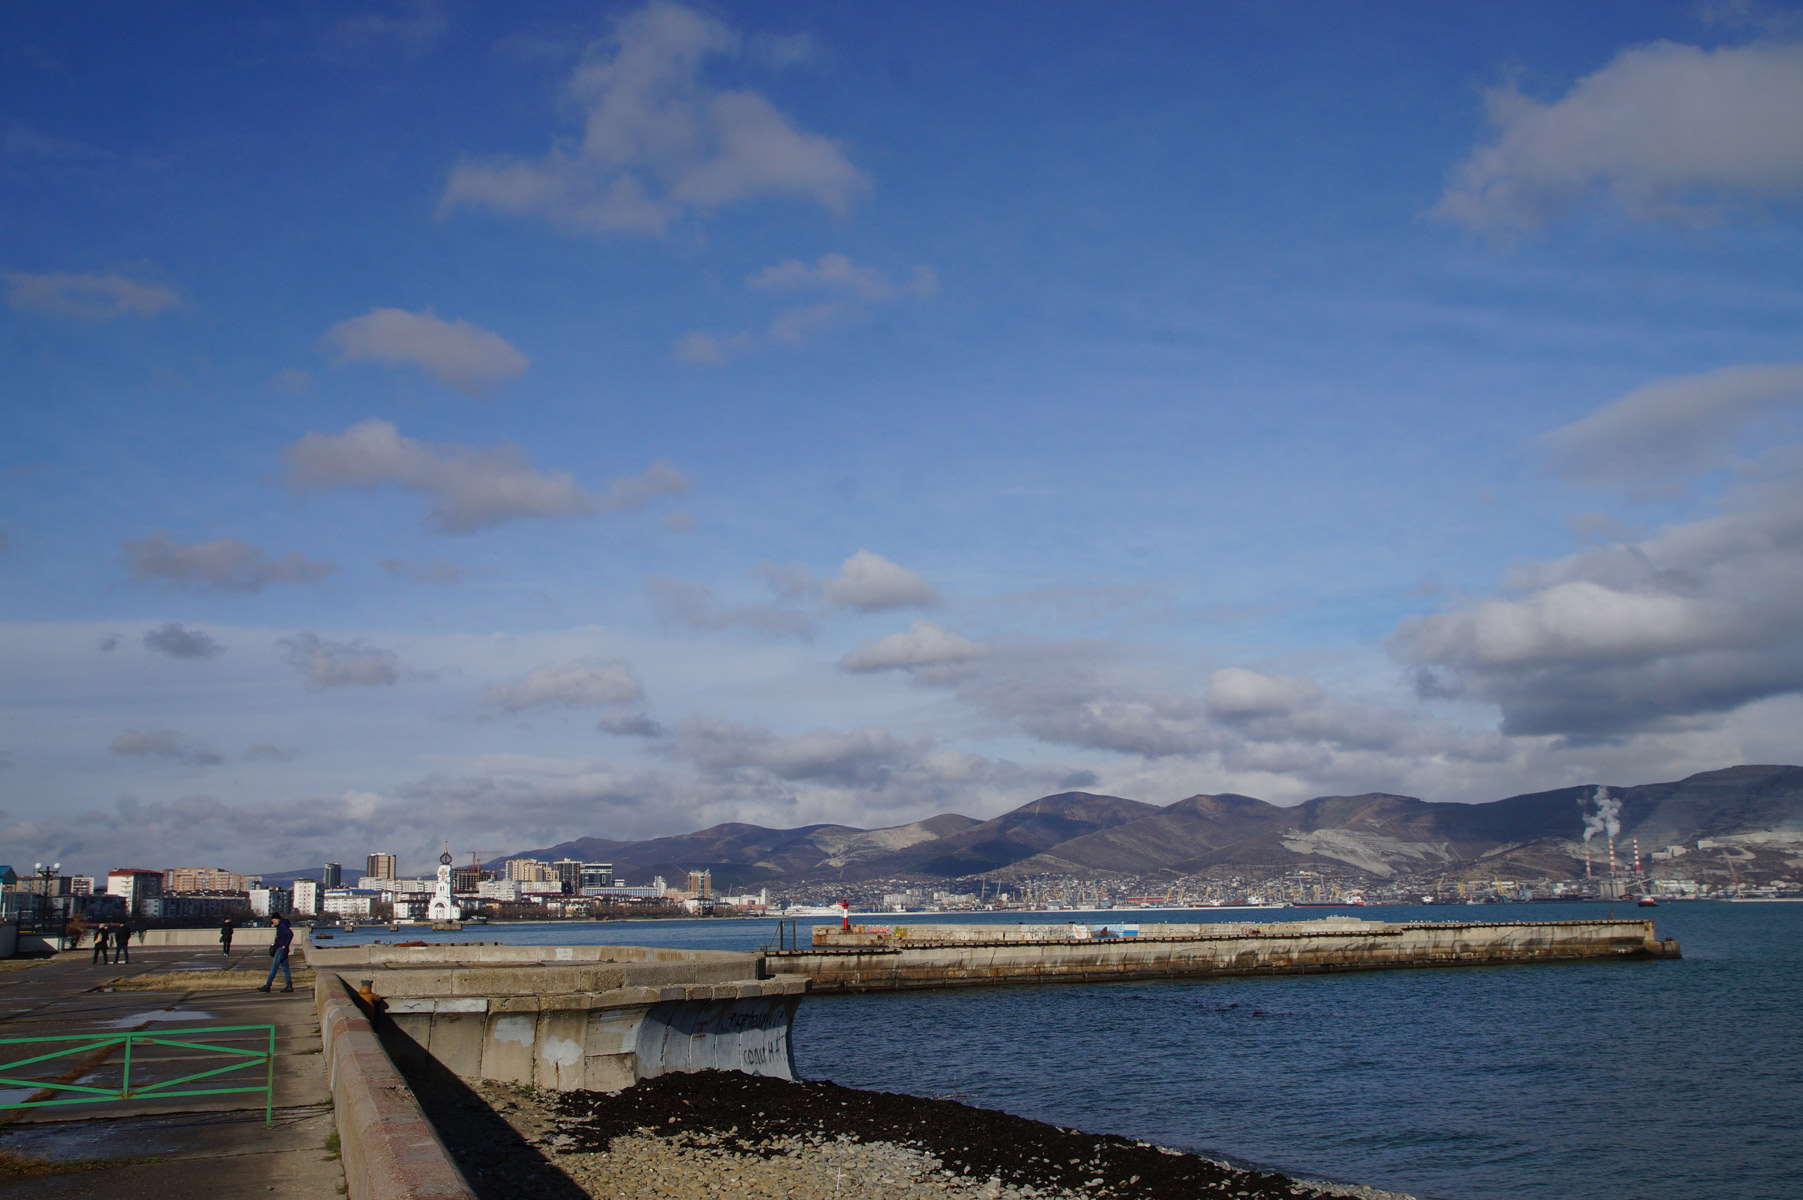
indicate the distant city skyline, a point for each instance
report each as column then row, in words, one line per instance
column 430, row 423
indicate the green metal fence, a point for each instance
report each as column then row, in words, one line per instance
column 93, row 1056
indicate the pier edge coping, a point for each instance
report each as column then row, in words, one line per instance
column 388, row 1147
column 883, row 943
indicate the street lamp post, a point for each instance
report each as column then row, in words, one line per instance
column 46, row 872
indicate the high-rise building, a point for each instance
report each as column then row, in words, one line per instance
column 528, row 870
column 700, row 884
column 203, row 879
column 597, row 875
column 380, row 866
column 306, row 897
column 136, row 886
column 568, row 871
column 334, row 876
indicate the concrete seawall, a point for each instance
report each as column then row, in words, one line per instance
column 884, row 958
column 389, row 1149
column 593, row 1017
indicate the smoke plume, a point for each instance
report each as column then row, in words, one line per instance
column 1606, row 818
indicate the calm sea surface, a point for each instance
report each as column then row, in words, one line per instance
column 1631, row 1081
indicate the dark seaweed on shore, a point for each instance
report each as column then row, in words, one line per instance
column 747, row 1111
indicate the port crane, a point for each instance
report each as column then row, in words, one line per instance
column 1739, row 887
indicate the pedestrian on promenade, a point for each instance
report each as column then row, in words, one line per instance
column 99, row 945
column 284, row 937
column 225, row 936
column 122, row 942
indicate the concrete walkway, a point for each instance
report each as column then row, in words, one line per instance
column 216, row 1146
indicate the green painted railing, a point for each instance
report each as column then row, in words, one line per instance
column 93, row 1053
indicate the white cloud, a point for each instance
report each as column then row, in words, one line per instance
column 835, row 273
column 409, row 26
column 866, row 582
column 1663, row 130
column 709, row 349
column 586, row 683
column 225, row 564
column 340, row 664
column 163, row 743
column 869, row 582
column 88, row 297
column 1669, row 631
column 1656, row 436
column 694, row 605
column 659, row 142
column 925, row 649
column 849, row 758
column 471, row 487
column 1235, row 693
column 178, row 642
column 849, row 291
column 463, row 357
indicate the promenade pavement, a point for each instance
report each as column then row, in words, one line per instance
column 153, row 1149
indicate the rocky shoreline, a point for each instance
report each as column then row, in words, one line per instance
column 726, row 1134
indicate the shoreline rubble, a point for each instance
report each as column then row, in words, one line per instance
column 683, row 1136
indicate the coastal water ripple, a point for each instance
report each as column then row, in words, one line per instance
column 1614, row 1081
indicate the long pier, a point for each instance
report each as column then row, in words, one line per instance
column 875, row 958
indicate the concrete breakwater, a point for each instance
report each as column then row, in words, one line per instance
column 577, row 1017
column 869, row 958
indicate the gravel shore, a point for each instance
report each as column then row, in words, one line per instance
column 684, row 1137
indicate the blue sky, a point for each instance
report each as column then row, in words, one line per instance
column 432, row 422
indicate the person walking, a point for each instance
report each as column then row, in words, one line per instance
column 122, row 942
column 99, row 945
column 225, row 937
column 284, row 937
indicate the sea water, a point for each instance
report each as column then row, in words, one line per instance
column 1666, row 1080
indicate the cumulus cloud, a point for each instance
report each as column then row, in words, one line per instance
column 630, row 724
column 585, row 683
column 470, row 487
column 926, row 650
column 340, row 664
column 1656, row 436
column 88, row 297
column 225, row 564
column 1696, row 620
column 869, row 582
column 163, row 743
column 659, row 142
column 1235, row 694
column 434, row 570
column 1664, row 130
column 865, row 582
column 463, row 357
column 178, row 642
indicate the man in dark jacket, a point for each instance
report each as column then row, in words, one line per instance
column 225, row 937
column 284, row 937
column 100, row 935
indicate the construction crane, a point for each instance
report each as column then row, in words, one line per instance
column 1739, row 887
column 476, row 860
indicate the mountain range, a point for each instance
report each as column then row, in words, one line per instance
column 1757, row 811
